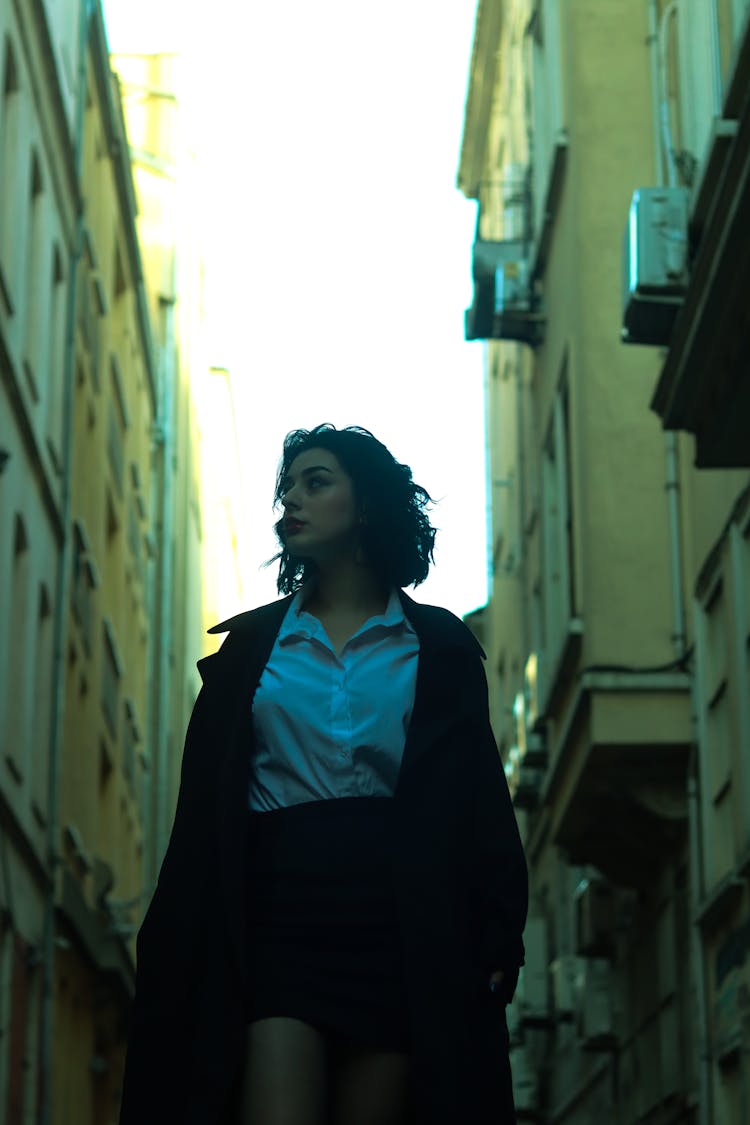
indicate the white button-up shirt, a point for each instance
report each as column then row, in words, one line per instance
column 333, row 725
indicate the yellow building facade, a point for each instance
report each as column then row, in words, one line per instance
column 198, row 499
column 120, row 513
column 604, row 531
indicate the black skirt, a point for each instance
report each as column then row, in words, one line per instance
column 324, row 941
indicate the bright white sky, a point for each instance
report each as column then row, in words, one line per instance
column 339, row 250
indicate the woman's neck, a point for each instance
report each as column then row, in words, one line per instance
column 346, row 587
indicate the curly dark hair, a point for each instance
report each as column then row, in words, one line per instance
column 397, row 540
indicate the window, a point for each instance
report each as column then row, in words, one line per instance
column 17, row 726
column 135, row 541
column 112, row 523
column 91, row 307
column 539, row 639
column 739, row 542
column 698, row 86
column 111, row 675
column 114, row 448
column 117, row 424
column 557, row 561
column 712, row 689
column 131, row 739
column 84, row 583
column 548, row 106
column 10, row 138
column 741, row 569
column 501, row 694
column 21, row 1031
column 740, row 16
column 55, row 361
column 42, row 714
column 36, row 295
column 730, row 16
column 119, row 280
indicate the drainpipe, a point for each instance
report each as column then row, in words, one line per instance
column 62, row 598
column 664, row 156
column 672, row 485
column 670, row 12
column 656, row 86
column 697, row 882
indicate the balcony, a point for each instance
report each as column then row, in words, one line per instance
column 616, row 786
column 704, row 386
column 505, row 305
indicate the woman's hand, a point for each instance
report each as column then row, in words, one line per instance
column 496, row 980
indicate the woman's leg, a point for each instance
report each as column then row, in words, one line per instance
column 285, row 1073
column 370, row 1086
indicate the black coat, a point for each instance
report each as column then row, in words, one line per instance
column 461, row 884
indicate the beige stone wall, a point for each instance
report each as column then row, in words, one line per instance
column 583, row 575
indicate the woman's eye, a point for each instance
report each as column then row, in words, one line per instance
column 314, row 481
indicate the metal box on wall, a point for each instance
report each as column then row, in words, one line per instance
column 655, row 264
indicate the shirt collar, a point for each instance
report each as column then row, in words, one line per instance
column 299, row 623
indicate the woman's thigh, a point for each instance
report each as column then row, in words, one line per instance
column 369, row 1086
column 285, row 1079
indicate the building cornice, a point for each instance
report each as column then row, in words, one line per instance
column 482, row 77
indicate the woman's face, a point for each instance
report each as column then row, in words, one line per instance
column 320, row 510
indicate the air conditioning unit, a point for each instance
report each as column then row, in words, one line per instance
column 513, row 286
column 537, row 755
column 532, row 991
column 655, row 263
column 525, row 1083
column 512, row 768
column 594, row 918
column 563, row 974
column 528, row 789
column 593, row 1004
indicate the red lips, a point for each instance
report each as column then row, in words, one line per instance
column 292, row 525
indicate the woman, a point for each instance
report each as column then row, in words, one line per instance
column 337, row 924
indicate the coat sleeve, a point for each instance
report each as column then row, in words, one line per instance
column 500, row 877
